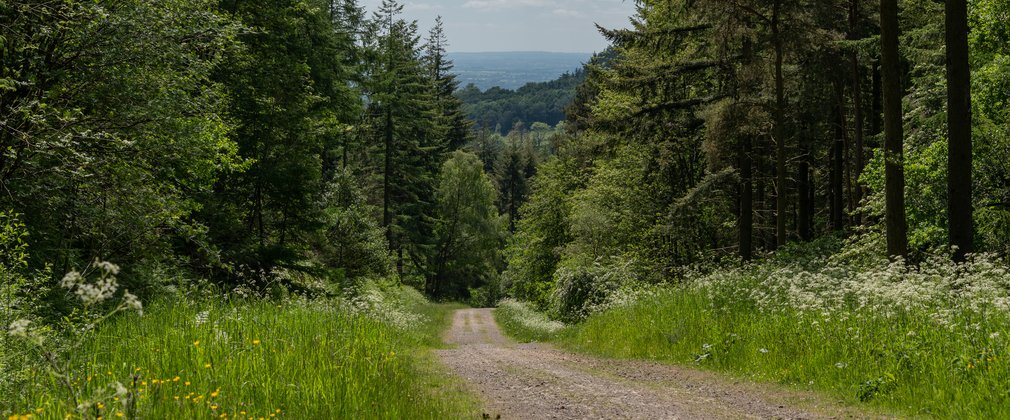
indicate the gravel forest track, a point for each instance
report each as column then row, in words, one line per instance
column 537, row 381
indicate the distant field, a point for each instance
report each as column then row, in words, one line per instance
column 511, row 70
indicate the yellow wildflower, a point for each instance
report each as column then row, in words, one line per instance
column 119, row 414
column 206, row 365
column 216, row 392
column 175, row 379
column 256, row 342
column 186, row 383
column 196, row 343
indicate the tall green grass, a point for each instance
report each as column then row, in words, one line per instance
column 207, row 359
column 525, row 324
column 909, row 363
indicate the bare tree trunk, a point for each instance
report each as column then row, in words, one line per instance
column 746, row 220
column 894, row 217
column 959, row 142
column 805, row 207
column 781, row 191
column 857, row 101
column 838, row 159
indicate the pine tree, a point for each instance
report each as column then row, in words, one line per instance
column 402, row 117
column 451, row 120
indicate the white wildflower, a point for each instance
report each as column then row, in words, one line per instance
column 201, row 318
column 763, row 350
column 994, row 335
column 840, row 365
column 19, row 328
column 101, row 290
column 132, row 302
column 120, row 389
column 107, row 267
column 71, row 279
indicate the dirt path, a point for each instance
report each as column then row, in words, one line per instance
column 536, row 381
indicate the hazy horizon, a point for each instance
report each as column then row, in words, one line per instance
column 554, row 26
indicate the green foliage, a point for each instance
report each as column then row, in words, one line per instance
column 500, row 109
column 534, row 252
column 21, row 296
column 113, row 125
column 469, row 230
column 288, row 80
column 352, row 240
column 918, row 340
column 401, row 125
column 581, row 287
column 524, row 323
column 201, row 357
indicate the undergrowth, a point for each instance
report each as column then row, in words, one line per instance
column 235, row 358
column 928, row 339
column 522, row 322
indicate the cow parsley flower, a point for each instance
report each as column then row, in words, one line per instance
column 132, row 302
column 72, row 279
column 19, row 328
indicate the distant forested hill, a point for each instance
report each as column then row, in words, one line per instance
column 500, row 109
column 511, row 70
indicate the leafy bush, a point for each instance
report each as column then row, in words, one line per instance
column 524, row 323
column 534, row 251
column 583, row 287
column 927, row 339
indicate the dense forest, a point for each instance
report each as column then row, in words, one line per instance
column 809, row 192
column 735, row 129
column 500, row 109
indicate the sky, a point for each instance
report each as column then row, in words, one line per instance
column 519, row 25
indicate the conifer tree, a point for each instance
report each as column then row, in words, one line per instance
column 402, row 117
column 452, row 122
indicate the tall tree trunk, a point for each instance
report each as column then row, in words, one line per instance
column 838, row 159
column 805, row 207
column 857, row 102
column 746, row 220
column 876, row 105
column 894, row 217
column 387, row 174
column 959, row 147
column 779, row 131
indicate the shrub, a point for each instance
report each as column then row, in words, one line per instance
column 582, row 287
column 524, row 323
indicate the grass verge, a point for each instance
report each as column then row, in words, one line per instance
column 523, row 323
column 206, row 359
column 908, row 363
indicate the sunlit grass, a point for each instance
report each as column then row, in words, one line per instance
column 307, row 360
column 908, row 362
column 523, row 323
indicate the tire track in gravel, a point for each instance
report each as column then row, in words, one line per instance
column 537, row 381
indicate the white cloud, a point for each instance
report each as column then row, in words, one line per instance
column 503, row 4
column 420, row 7
column 568, row 13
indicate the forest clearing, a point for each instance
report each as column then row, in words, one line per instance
column 295, row 209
